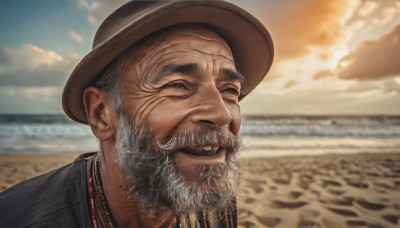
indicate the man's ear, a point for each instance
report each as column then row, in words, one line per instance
column 100, row 113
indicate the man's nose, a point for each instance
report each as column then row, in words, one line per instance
column 212, row 110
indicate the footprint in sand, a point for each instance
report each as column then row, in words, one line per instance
column 247, row 224
column 356, row 223
column 273, row 187
column 252, row 182
column 384, row 199
column 383, row 185
column 283, row 180
column 396, row 172
column 336, row 192
column 328, row 182
column 356, row 183
column 259, row 188
column 330, row 223
column 288, row 205
column 306, row 178
column 294, row 194
column 269, row 221
column 381, row 191
column 343, row 202
column 306, row 224
column 315, row 192
column 394, row 219
column 344, row 212
column 249, row 200
column 370, row 205
column 309, row 214
column 244, row 211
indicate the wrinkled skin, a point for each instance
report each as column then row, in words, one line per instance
column 181, row 80
column 184, row 99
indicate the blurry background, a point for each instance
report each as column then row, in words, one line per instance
column 334, row 86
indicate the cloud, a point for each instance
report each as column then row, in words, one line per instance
column 30, row 100
column 83, row 3
column 323, row 74
column 99, row 10
column 322, row 100
column 367, row 8
column 362, row 88
column 31, row 79
column 373, row 18
column 290, row 83
column 392, row 86
column 373, row 59
column 75, row 36
column 298, row 26
column 388, row 14
column 4, row 58
column 33, row 66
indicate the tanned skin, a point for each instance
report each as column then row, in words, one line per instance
column 183, row 79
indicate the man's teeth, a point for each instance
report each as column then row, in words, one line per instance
column 205, row 150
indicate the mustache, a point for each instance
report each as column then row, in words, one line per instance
column 200, row 136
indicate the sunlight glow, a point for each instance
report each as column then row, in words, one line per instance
column 345, row 63
column 339, row 54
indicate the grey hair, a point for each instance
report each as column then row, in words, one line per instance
column 109, row 80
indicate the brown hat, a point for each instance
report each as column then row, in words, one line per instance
column 248, row 39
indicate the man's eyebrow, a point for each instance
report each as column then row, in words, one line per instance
column 231, row 75
column 188, row 68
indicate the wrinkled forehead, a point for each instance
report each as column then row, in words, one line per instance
column 180, row 37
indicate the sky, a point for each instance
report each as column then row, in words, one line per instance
column 337, row 57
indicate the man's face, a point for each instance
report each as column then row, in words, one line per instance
column 182, row 89
column 183, row 82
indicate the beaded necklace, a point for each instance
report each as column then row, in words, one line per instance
column 92, row 210
column 95, row 180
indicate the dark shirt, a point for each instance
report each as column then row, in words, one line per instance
column 55, row 199
column 60, row 199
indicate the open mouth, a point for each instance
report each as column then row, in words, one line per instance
column 203, row 150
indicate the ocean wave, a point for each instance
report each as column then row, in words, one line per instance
column 360, row 127
column 44, row 131
column 348, row 147
column 307, row 131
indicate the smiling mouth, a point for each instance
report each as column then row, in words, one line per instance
column 203, row 151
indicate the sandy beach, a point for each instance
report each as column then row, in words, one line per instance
column 358, row 190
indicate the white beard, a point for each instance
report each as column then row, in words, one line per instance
column 154, row 181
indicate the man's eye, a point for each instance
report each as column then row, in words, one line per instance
column 177, row 85
column 232, row 91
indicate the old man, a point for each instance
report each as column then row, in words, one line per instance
column 161, row 91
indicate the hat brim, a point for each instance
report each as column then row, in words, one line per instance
column 248, row 39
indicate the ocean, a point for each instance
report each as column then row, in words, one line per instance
column 261, row 135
